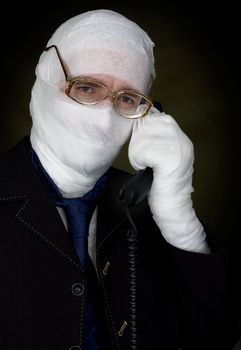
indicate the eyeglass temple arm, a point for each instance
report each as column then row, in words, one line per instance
column 60, row 60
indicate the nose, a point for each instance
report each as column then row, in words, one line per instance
column 107, row 101
column 109, row 98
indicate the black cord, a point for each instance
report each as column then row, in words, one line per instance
column 132, row 248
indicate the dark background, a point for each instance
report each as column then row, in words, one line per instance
column 197, row 63
column 198, row 83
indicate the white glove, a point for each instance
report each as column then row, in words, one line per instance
column 158, row 142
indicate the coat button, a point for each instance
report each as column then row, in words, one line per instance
column 107, row 265
column 75, row 347
column 77, row 290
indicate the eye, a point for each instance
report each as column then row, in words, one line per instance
column 127, row 99
column 87, row 91
column 86, row 88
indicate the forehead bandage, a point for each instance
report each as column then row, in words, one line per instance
column 101, row 42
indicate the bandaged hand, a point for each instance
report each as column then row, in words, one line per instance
column 158, row 142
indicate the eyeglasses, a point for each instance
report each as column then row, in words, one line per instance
column 88, row 91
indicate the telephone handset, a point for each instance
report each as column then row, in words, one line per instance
column 136, row 188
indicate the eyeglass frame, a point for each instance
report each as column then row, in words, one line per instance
column 70, row 81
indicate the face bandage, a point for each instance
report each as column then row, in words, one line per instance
column 76, row 144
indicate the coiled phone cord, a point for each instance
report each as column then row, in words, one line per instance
column 133, row 192
column 132, row 248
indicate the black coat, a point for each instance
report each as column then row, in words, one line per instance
column 181, row 296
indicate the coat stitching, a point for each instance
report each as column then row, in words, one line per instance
column 81, row 318
column 26, row 202
column 108, row 307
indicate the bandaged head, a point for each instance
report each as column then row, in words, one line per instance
column 76, row 144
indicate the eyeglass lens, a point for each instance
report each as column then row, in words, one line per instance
column 125, row 102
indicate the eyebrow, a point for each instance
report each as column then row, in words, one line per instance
column 122, row 87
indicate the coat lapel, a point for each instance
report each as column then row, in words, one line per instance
column 35, row 210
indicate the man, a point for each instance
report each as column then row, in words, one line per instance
column 79, row 269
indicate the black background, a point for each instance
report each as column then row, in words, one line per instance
column 209, row 33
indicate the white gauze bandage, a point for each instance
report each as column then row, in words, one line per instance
column 75, row 143
column 158, row 142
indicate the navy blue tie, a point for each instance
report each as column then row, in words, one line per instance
column 78, row 213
